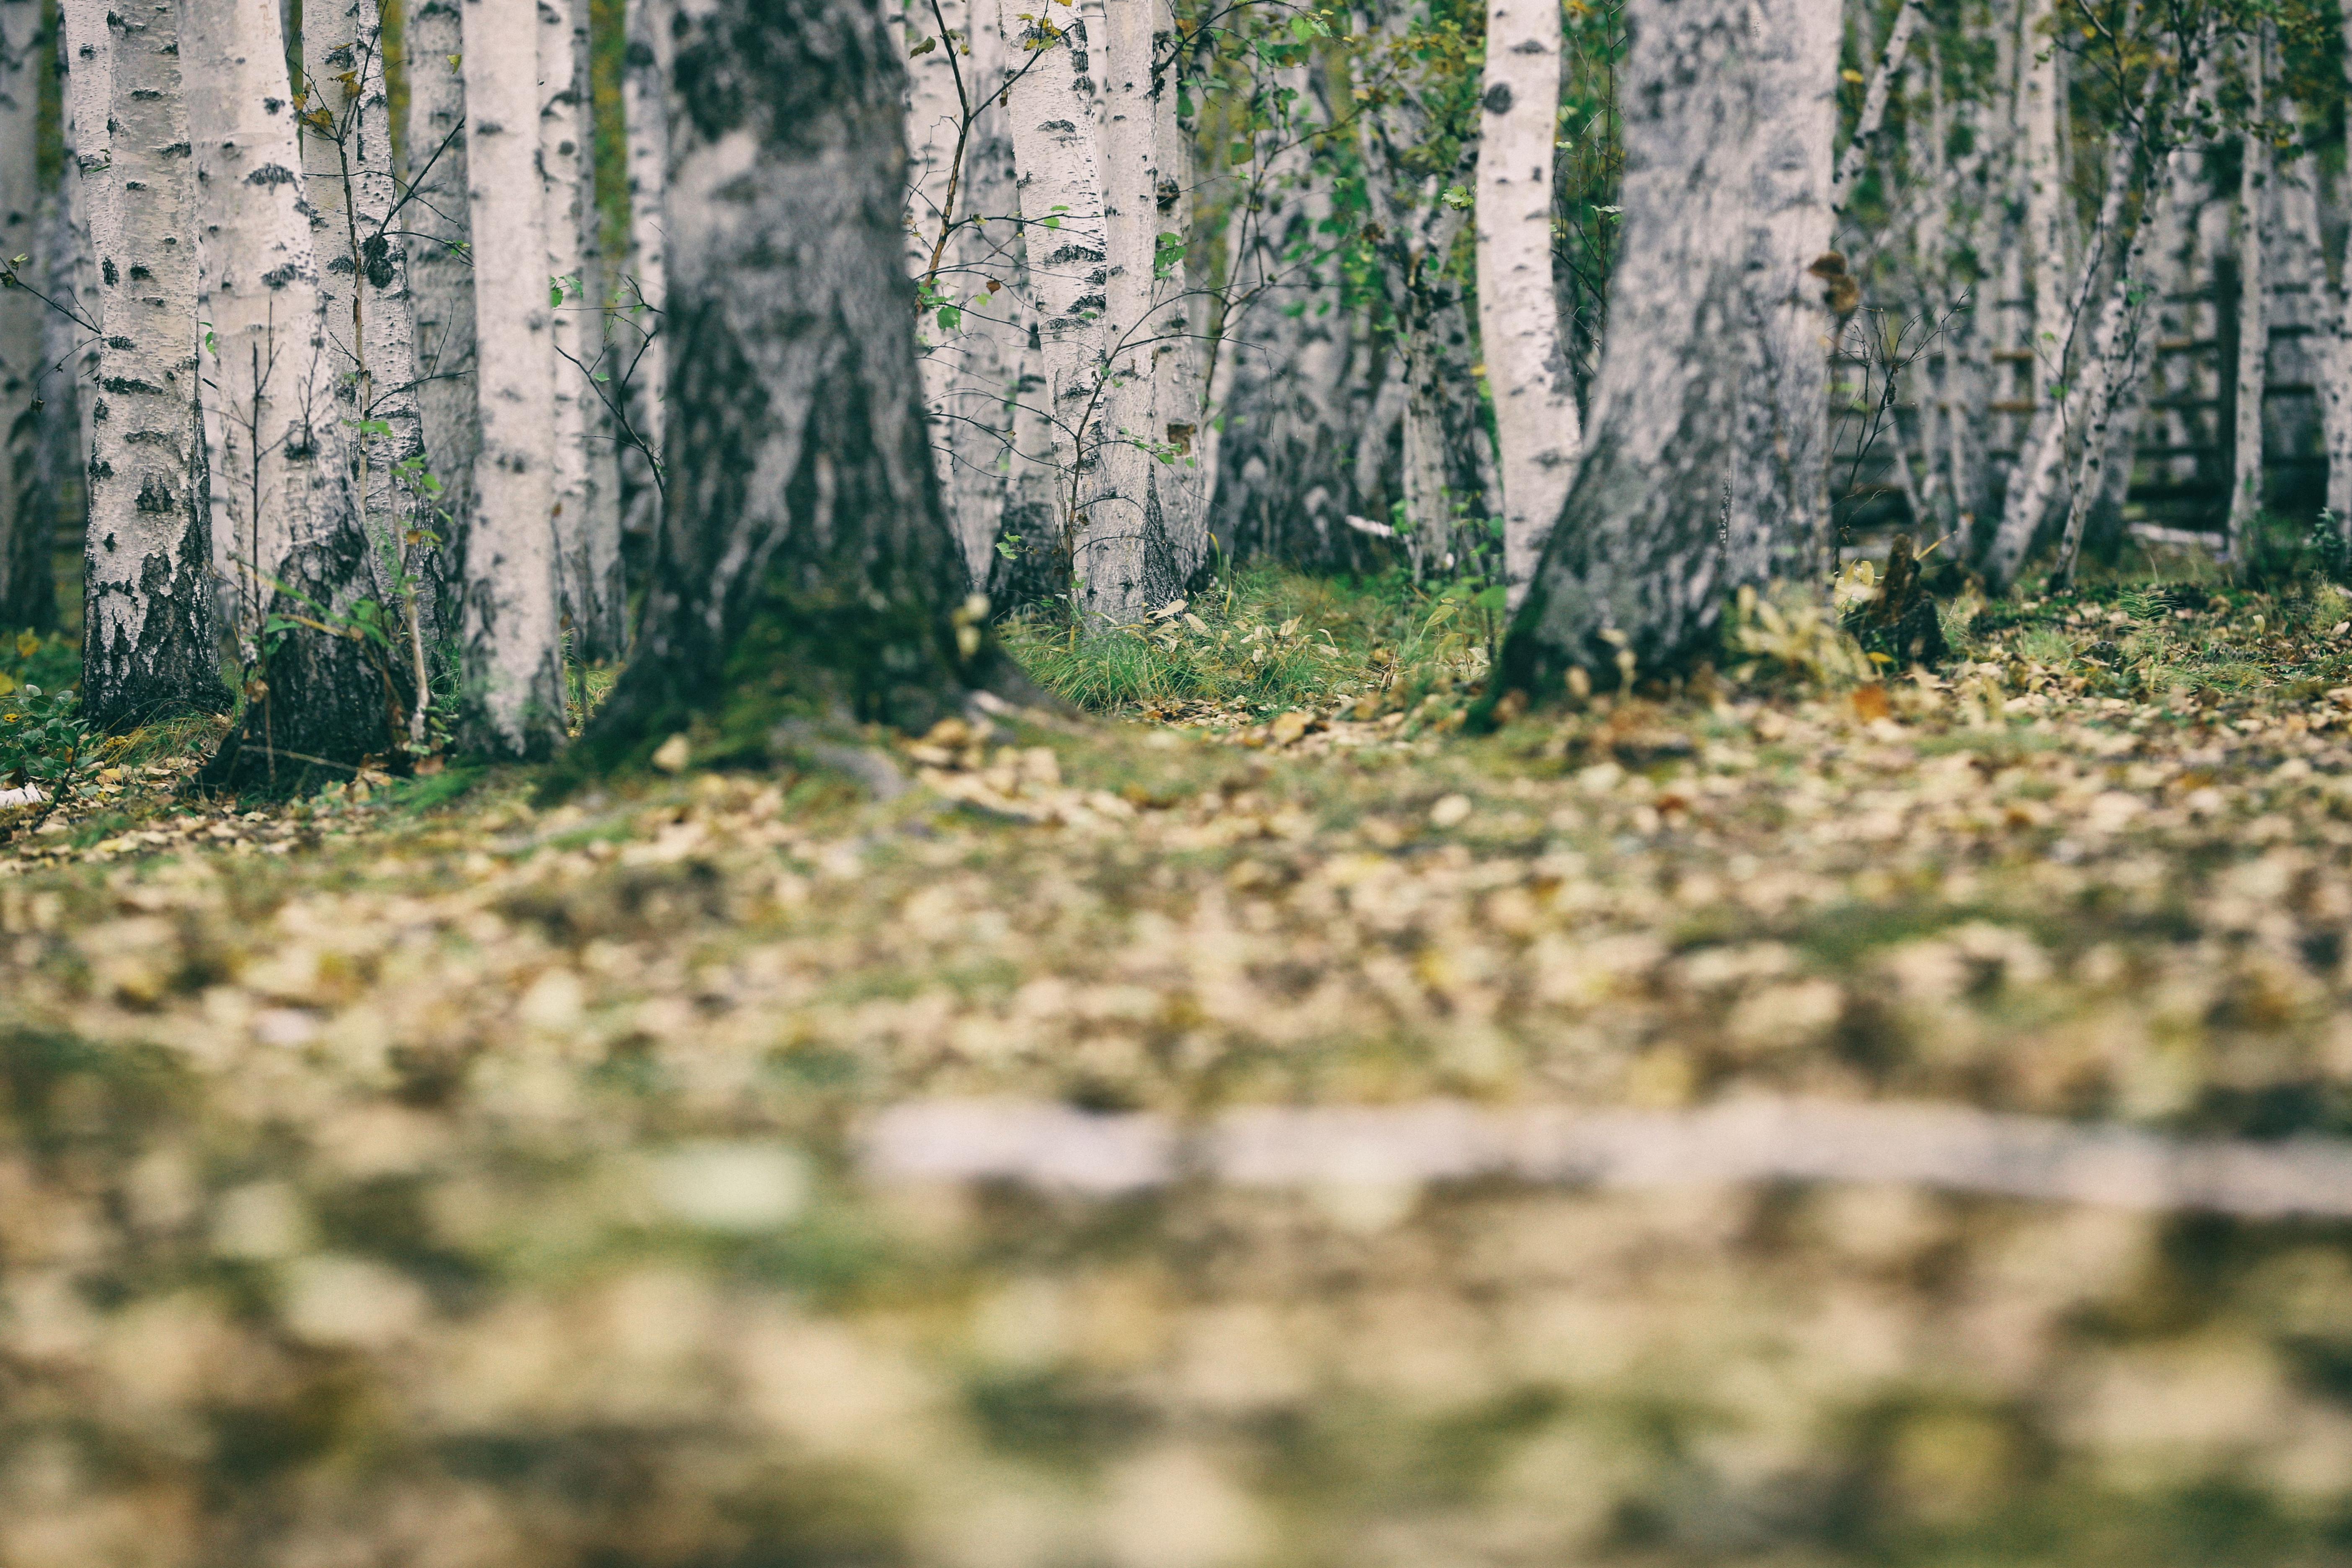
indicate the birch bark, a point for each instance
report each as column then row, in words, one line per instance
column 325, row 699
column 2115, row 356
column 150, row 630
column 1285, row 477
column 1128, row 543
column 2041, row 107
column 961, row 194
column 2335, row 379
column 638, row 342
column 27, row 593
column 1726, row 164
column 2253, row 298
column 808, row 564
column 573, row 327
column 86, row 53
column 365, row 286
column 1053, row 103
column 1876, row 98
column 1519, row 324
column 441, row 274
column 2033, row 480
column 515, row 688
column 58, row 474
column 1185, row 408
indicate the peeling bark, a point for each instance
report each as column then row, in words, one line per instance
column 150, row 633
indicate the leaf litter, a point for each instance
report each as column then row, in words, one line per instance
column 374, row 1169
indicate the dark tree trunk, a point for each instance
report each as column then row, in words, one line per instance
column 806, row 568
column 1704, row 464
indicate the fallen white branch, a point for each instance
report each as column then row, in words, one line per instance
column 1947, row 1148
column 30, row 796
column 1366, row 525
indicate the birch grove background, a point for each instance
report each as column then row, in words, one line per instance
column 2034, row 282
column 1175, row 783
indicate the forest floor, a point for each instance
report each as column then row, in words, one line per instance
column 420, row 1171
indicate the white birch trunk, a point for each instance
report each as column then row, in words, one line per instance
column 2114, row 355
column 61, row 476
column 639, row 363
column 1519, row 324
column 85, row 50
column 272, row 374
column 1053, row 105
column 2336, row 363
column 150, row 629
column 1876, row 98
column 958, row 243
column 233, row 592
column 2042, row 107
column 1286, row 459
column 1692, row 480
column 1128, row 522
column 605, row 635
column 1185, row 407
column 563, row 175
column 441, row 274
column 21, row 312
column 2253, row 317
column 363, row 277
column 514, row 683
column 2033, row 480
column 1438, row 449
column 1780, row 506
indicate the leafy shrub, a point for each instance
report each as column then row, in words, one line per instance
column 42, row 738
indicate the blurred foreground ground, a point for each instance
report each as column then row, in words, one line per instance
column 419, row 1177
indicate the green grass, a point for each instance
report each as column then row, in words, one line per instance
column 1266, row 639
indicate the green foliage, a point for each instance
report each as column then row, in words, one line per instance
column 43, row 740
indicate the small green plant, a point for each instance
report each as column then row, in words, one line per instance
column 43, row 741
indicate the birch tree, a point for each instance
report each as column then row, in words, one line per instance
column 2035, row 477
column 371, row 315
column 1519, row 324
column 586, row 522
column 2335, row 364
column 1419, row 218
column 23, row 542
column 1699, row 475
column 639, row 361
column 962, row 202
column 331, row 689
column 53, row 496
column 433, row 213
column 149, row 638
column 1051, row 101
column 515, row 688
column 807, row 568
column 2253, row 288
column 1284, row 349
